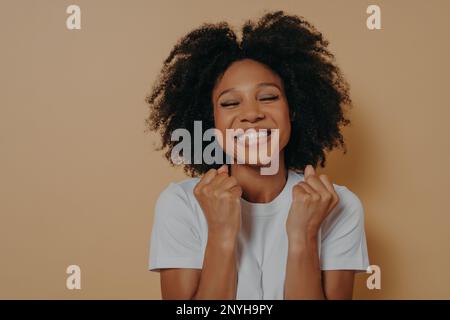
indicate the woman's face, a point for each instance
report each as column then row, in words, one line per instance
column 250, row 95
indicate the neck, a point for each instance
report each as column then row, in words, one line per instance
column 259, row 188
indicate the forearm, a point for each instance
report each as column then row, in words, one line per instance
column 303, row 274
column 218, row 278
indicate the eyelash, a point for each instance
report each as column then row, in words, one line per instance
column 271, row 98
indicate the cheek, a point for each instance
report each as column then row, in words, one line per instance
column 220, row 120
column 285, row 134
column 284, row 123
column 221, row 123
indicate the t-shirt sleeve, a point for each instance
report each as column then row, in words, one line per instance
column 175, row 240
column 343, row 244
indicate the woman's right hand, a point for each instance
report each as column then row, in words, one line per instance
column 219, row 195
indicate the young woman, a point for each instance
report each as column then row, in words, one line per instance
column 231, row 232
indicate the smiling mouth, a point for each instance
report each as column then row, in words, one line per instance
column 253, row 136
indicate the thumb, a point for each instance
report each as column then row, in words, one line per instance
column 223, row 168
column 309, row 171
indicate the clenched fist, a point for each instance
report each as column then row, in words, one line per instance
column 312, row 201
column 219, row 195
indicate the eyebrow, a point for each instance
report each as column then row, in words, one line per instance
column 262, row 84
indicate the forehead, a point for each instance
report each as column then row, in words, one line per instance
column 246, row 73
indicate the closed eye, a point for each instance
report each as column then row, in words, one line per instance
column 263, row 99
column 228, row 104
column 269, row 98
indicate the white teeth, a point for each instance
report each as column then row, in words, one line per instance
column 252, row 136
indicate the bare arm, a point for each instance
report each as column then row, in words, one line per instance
column 216, row 280
column 338, row 284
column 303, row 275
column 219, row 275
column 219, row 196
column 313, row 199
column 305, row 280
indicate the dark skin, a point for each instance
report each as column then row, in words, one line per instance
column 250, row 95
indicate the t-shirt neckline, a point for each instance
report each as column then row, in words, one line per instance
column 269, row 208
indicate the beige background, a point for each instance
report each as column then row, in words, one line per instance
column 79, row 177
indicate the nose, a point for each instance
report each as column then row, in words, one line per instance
column 251, row 112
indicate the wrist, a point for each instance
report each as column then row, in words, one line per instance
column 307, row 233
column 302, row 242
column 223, row 239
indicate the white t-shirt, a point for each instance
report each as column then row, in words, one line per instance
column 180, row 234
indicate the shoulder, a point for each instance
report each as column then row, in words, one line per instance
column 177, row 198
column 343, row 240
column 348, row 199
column 183, row 189
column 348, row 213
column 346, row 196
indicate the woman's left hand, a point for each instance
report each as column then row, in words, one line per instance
column 312, row 201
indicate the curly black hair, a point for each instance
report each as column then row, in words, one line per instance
column 315, row 88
